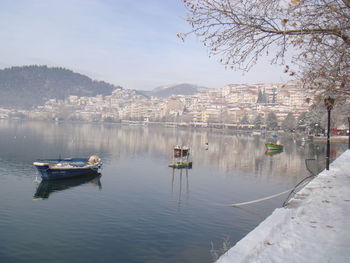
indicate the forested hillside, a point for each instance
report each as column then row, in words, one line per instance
column 27, row 86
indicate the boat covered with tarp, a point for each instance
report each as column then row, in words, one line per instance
column 51, row 169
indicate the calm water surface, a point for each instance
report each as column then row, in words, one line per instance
column 139, row 210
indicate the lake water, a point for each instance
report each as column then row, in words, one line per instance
column 139, row 210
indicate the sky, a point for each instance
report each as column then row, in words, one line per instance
column 132, row 44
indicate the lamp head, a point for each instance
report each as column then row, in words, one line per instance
column 329, row 102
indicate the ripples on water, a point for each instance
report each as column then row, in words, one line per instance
column 138, row 210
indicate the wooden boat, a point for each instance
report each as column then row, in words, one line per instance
column 274, row 147
column 51, row 169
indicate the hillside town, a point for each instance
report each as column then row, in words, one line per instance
column 234, row 104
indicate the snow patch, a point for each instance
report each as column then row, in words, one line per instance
column 312, row 228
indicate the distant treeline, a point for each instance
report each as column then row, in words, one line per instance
column 27, row 86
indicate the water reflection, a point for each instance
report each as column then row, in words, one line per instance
column 148, row 212
column 227, row 151
column 47, row 187
column 177, row 174
column 273, row 152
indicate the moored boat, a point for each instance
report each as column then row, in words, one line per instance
column 66, row 168
column 274, row 147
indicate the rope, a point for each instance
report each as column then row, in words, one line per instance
column 262, row 199
column 292, row 190
column 302, row 181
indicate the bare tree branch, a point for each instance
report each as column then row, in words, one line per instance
column 347, row 3
column 240, row 31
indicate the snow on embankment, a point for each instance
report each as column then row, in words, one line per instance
column 314, row 227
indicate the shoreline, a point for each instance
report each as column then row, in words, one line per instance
column 242, row 129
column 313, row 227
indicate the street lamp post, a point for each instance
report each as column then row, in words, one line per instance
column 328, row 102
column 349, row 132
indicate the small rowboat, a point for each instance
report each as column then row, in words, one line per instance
column 68, row 168
column 274, row 147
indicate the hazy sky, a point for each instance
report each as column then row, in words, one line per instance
column 131, row 43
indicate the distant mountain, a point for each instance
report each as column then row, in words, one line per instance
column 27, row 86
column 178, row 89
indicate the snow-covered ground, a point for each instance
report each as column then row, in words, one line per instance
column 314, row 227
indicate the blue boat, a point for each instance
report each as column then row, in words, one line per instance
column 51, row 169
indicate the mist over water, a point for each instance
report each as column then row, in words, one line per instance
column 139, row 209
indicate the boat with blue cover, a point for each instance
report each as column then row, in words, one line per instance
column 51, row 169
